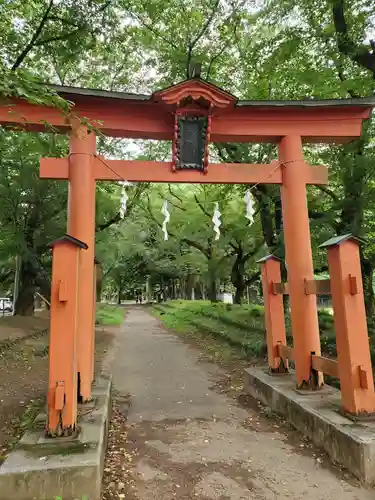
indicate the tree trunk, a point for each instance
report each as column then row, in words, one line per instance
column 190, row 283
column 237, row 276
column 182, row 288
column 268, row 219
column 212, row 280
column 99, row 281
column 99, row 290
column 368, row 289
column 353, row 174
column 238, row 296
column 212, row 290
column 24, row 305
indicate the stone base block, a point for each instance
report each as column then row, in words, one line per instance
column 317, row 415
column 41, row 468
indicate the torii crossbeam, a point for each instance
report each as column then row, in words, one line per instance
column 155, row 171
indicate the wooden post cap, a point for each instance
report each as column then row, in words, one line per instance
column 338, row 240
column 67, row 238
column 268, row 257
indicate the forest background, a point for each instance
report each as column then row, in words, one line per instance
column 271, row 49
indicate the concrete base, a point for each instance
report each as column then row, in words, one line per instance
column 40, row 468
column 316, row 415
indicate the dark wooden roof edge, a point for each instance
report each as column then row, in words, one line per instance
column 268, row 257
column 337, row 240
column 304, row 103
column 69, row 239
column 108, row 94
column 312, row 103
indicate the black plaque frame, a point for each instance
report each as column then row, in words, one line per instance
column 191, row 142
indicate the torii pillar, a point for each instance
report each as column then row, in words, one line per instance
column 297, row 239
column 81, row 225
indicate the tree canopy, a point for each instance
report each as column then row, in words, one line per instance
column 272, row 49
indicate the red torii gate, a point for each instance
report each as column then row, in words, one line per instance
column 159, row 116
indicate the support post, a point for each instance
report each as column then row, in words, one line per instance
column 96, row 263
column 81, row 225
column 273, row 313
column 353, row 350
column 304, row 313
column 62, row 386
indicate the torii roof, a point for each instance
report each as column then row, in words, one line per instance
column 203, row 85
column 140, row 116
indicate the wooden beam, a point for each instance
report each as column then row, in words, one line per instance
column 318, row 287
column 325, row 365
column 312, row 287
column 154, row 171
column 151, row 120
column 317, row 175
column 135, row 120
column 285, row 352
column 280, row 289
column 232, row 129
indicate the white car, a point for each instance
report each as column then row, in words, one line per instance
column 6, row 305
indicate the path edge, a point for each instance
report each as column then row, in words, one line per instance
column 62, row 468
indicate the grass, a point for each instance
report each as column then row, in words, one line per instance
column 238, row 326
column 233, row 331
column 22, row 424
column 109, row 315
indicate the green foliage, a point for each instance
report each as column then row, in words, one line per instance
column 109, row 315
column 25, row 85
column 275, row 50
column 240, row 326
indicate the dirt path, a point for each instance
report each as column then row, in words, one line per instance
column 24, row 373
column 184, row 439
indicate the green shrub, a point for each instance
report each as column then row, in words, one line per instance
column 107, row 314
column 239, row 326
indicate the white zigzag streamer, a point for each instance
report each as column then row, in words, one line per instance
column 249, row 207
column 167, row 217
column 124, row 201
column 216, row 220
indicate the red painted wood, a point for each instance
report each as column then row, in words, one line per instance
column 198, row 90
column 147, row 119
column 153, row 171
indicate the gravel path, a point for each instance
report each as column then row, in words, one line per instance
column 186, row 439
